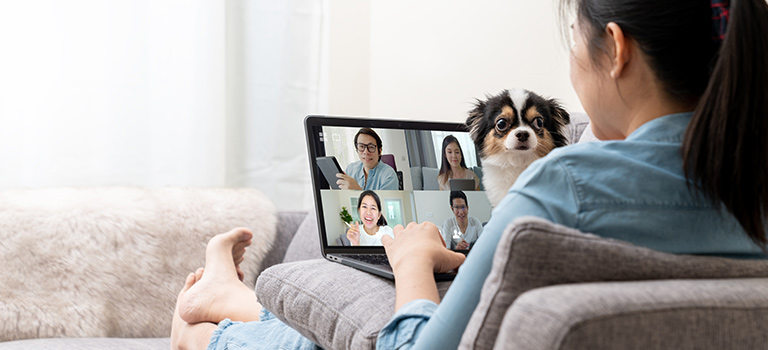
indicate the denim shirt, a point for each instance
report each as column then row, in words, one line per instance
column 381, row 177
column 633, row 190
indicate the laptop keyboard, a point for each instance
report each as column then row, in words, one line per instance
column 373, row 259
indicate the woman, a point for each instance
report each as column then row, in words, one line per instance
column 453, row 166
column 461, row 230
column 686, row 109
column 369, row 170
column 374, row 225
column 678, row 178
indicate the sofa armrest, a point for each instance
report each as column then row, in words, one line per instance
column 665, row 314
column 534, row 253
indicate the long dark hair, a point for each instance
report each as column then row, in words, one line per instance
column 382, row 221
column 445, row 167
column 725, row 82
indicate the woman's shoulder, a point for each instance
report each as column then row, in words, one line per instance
column 582, row 148
column 588, row 155
column 565, row 164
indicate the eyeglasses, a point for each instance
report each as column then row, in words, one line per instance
column 461, row 207
column 361, row 147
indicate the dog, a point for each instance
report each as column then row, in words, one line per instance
column 510, row 131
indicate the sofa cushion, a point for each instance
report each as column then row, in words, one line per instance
column 288, row 223
column 109, row 262
column 535, row 253
column 335, row 306
column 306, row 242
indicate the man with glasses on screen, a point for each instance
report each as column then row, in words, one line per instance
column 370, row 173
column 460, row 231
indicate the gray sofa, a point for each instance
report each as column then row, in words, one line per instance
column 550, row 288
column 99, row 268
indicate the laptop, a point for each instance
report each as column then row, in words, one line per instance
column 461, row 184
column 400, row 194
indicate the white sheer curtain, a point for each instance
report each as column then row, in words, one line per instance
column 275, row 81
column 160, row 93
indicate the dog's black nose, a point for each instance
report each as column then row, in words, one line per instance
column 522, row 135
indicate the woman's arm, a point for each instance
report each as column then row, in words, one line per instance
column 415, row 255
column 544, row 190
column 413, row 282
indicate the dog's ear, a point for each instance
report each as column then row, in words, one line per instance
column 561, row 118
column 559, row 113
column 475, row 120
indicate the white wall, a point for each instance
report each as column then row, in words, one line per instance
column 430, row 59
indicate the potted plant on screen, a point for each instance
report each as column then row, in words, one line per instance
column 346, row 217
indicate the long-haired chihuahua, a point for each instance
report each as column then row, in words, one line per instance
column 511, row 130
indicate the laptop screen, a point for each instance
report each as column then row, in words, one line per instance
column 394, row 173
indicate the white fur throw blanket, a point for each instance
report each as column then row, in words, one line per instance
column 109, row 262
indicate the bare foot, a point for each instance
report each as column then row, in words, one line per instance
column 238, row 256
column 178, row 324
column 217, row 292
column 190, row 336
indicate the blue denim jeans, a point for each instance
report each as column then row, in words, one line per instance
column 268, row 333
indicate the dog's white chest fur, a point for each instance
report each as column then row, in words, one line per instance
column 501, row 171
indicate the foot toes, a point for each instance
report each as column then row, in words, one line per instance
column 239, row 237
column 240, row 274
column 199, row 274
column 238, row 254
column 245, row 234
column 189, row 281
column 240, row 234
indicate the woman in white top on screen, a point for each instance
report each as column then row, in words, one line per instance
column 461, row 230
column 370, row 173
column 453, row 166
column 373, row 225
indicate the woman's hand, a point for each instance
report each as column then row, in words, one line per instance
column 462, row 245
column 420, row 245
column 415, row 254
column 353, row 234
column 347, row 182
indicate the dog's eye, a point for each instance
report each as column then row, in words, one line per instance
column 502, row 125
column 537, row 123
